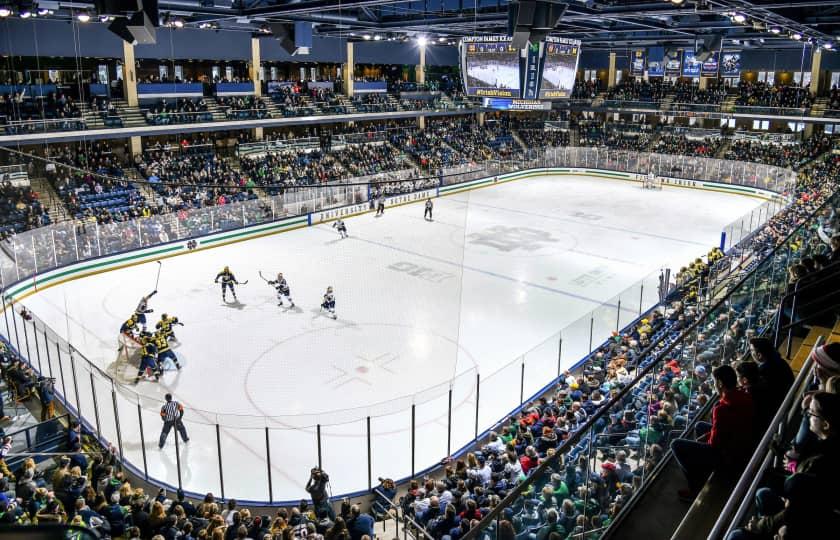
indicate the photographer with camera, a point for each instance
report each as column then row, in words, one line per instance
column 316, row 486
column 46, row 393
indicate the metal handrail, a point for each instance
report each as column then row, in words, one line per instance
column 742, row 495
column 586, row 427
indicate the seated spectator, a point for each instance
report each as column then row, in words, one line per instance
column 726, row 443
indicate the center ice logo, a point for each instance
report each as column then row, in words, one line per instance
column 507, row 239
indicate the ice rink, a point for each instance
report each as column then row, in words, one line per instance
column 421, row 305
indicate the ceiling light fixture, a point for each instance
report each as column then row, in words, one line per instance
column 25, row 14
column 5, row 12
column 775, row 30
column 366, row 36
column 422, row 41
column 739, row 18
column 84, row 16
column 828, row 46
column 796, row 35
column 377, row 37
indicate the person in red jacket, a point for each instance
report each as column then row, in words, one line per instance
column 725, row 443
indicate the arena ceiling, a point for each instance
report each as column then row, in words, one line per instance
column 601, row 24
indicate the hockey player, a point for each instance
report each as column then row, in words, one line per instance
column 282, row 288
column 143, row 308
column 165, row 325
column 427, row 213
column 228, row 280
column 148, row 360
column 129, row 327
column 329, row 302
column 342, row 228
column 380, row 205
column 163, row 351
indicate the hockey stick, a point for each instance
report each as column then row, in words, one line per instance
column 160, row 265
column 242, row 282
column 263, row 277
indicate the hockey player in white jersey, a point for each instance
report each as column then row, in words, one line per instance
column 142, row 309
column 341, row 227
column 329, row 302
column 282, row 287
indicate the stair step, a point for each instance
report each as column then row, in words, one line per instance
column 807, row 344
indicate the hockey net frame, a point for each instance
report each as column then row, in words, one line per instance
column 655, row 183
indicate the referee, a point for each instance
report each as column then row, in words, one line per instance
column 171, row 413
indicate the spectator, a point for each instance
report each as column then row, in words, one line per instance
column 726, row 442
column 773, row 369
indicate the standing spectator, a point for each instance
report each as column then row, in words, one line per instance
column 172, row 414
column 4, row 451
column 317, row 489
column 726, row 442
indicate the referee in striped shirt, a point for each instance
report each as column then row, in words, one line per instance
column 171, row 413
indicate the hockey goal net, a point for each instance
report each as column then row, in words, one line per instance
column 651, row 181
column 128, row 356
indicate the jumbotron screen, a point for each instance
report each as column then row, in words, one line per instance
column 491, row 67
column 559, row 68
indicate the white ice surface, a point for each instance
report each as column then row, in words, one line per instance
column 485, row 287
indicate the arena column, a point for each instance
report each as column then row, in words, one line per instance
column 421, row 122
column 347, row 71
column 816, row 71
column 611, row 73
column 420, row 69
column 254, row 70
column 703, row 84
column 129, row 74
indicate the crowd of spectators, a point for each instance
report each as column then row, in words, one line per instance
column 682, row 145
column 789, row 155
column 591, row 133
column 639, row 90
column 373, row 103
column 177, row 111
column 759, row 94
column 687, row 92
column 290, row 168
column 540, row 138
column 243, row 107
column 621, row 139
column 183, row 179
column 56, row 110
column 20, row 209
column 368, row 159
column 585, row 89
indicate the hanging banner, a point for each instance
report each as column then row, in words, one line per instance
column 730, row 64
column 638, row 59
column 656, row 61
column 710, row 66
column 533, row 67
column 691, row 67
column 673, row 62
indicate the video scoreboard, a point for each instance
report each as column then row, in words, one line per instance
column 493, row 68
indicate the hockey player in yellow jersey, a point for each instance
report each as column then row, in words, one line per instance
column 165, row 325
column 164, row 351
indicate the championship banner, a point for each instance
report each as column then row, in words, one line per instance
column 673, row 63
column 656, row 61
column 691, row 67
column 638, row 59
column 730, row 64
column 710, row 66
